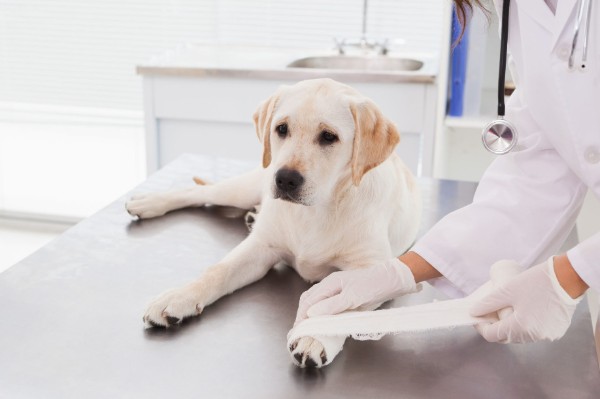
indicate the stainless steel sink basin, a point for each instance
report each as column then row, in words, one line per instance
column 376, row 63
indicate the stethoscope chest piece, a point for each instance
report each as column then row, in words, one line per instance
column 499, row 137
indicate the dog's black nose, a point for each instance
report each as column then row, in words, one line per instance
column 288, row 180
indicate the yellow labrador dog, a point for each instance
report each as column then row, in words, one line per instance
column 332, row 193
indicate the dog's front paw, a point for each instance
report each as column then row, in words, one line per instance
column 146, row 206
column 250, row 217
column 172, row 307
column 310, row 352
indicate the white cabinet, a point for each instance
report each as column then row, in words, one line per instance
column 460, row 153
column 212, row 115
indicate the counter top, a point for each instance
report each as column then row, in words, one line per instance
column 271, row 63
column 72, row 321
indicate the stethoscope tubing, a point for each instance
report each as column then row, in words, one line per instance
column 500, row 136
column 503, row 56
column 585, row 7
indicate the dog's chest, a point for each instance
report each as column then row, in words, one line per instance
column 305, row 248
column 311, row 264
column 316, row 248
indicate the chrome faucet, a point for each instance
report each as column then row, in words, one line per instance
column 363, row 43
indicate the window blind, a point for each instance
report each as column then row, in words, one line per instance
column 82, row 53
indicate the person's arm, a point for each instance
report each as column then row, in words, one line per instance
column 568, row 278
column 420, row 268
column 566, row 275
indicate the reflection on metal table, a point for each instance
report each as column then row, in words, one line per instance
column 71, row 321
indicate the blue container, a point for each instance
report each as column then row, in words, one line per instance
column 458, row 67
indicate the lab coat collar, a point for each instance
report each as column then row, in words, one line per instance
column 555, row 24
column 539, row 12
column 564, row 10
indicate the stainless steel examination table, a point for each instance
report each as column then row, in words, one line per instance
column 71, row 321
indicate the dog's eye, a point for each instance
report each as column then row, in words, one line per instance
column 327, row 138
column 282, row 130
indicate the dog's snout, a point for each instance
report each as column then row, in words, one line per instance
column 288, row 180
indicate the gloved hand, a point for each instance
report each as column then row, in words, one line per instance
column 351, row 289
column 541, row 309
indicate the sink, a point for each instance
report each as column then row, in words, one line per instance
column 374, row 63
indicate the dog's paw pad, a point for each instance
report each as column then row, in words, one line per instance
column 298, row 357
column 149, row 323
column 173, row 320
column 310, row 363
column 308, row 352
column 250, row 218
column 323, row 357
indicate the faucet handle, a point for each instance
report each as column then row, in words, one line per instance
column 384, row 46
column 339, row 45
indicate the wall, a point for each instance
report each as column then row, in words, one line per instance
column 83, row 53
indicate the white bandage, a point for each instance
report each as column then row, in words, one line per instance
column 372, row 325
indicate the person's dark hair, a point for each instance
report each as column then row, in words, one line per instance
column 464, row 9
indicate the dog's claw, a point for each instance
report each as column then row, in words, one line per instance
column 133, row 215
column 173, row 320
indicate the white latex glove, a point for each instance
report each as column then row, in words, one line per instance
column 351, row 289
column 531, row 306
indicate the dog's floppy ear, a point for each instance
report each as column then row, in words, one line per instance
column 375, row 137
column 262, row 121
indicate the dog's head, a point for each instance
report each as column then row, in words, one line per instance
column 318, row 133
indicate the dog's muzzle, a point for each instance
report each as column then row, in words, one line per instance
column 288, row 184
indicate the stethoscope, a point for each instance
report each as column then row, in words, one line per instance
column 500, row 136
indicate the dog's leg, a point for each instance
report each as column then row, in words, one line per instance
column 312, row 352
column 242, row 191
column 247, row 263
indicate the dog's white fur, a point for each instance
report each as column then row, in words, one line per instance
column 359, row 204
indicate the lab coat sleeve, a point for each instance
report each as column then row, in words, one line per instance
column 585, row 259
column 524, row 208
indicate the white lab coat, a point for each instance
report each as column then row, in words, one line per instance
column 527, row 202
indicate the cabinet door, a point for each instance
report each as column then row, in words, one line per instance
column 212, row 116
column 238, row 141
column 220, row 139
